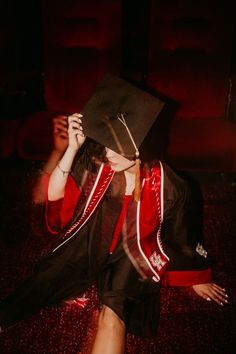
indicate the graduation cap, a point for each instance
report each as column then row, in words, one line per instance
column 119, row 115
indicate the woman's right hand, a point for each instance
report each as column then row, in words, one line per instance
column 75, row 131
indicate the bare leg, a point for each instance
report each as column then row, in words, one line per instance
column 110, row 337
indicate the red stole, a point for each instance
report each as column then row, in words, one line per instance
column 143, row 243
column 142, row 230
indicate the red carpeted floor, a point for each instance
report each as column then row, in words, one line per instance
column 188, row 324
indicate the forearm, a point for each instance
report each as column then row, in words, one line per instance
column 59, row 176
column 38, row 193
column 52, row 161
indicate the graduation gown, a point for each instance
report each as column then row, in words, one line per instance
column 99, row 243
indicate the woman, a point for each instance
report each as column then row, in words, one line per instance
column 125, row 229
column 98, row 243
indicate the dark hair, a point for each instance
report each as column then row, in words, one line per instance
column 89, row 153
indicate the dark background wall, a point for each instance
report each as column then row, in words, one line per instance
column 53, row 53
column 21, row 45
column 21, row 60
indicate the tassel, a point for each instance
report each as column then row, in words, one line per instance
column 137, row 180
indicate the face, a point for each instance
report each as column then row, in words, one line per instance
column 117, row 162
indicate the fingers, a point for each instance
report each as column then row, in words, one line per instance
column 217, row 294
column 75, row 124
column 75, row 131
column 217, row 287
column 61, row 123
column 218, row 297
column 75, row 118
column 211, row 291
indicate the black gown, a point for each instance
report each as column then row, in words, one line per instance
column 85, row 259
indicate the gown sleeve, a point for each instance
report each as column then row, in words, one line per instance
column 182, row 230
column 60, row 212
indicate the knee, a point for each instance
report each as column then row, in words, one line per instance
column 110, row 320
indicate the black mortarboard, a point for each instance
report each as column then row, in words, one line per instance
column 119, row 115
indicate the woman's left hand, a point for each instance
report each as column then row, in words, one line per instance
column 211, row 291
